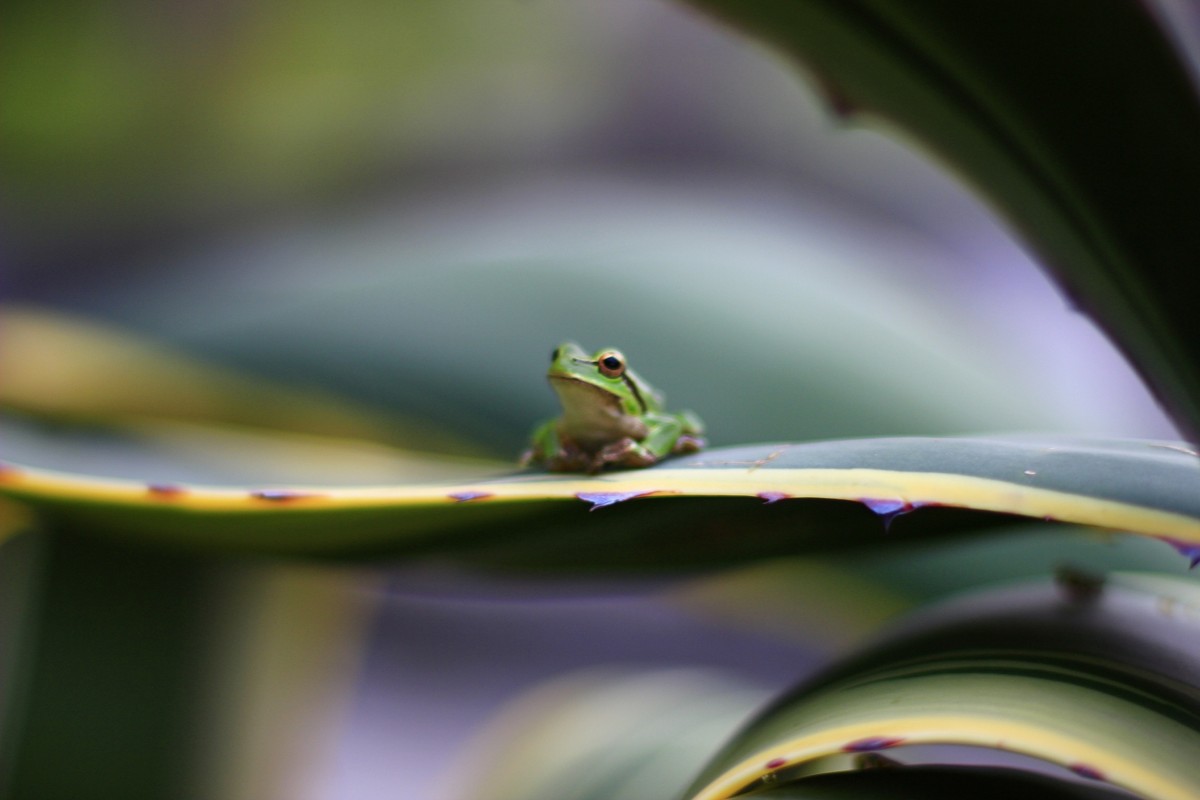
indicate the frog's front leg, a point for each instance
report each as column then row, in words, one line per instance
column 543, row 445
column 556, row 453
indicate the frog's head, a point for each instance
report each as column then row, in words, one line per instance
column 603, row 376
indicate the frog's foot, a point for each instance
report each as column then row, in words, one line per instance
column 569, row 457
column 572, row 461
column 688, row 444
column 624, row 453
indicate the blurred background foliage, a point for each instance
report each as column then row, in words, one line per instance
column 370, row 222
column 407, row 204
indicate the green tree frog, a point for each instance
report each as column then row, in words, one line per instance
column 611, row 417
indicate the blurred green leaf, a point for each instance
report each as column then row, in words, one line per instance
column 608, row 733
column 1099, row 680
column 817, row 319
column 108, row 692
column 68, row 369
column 143, row 674
column 855, row 594
column 118, row 117
column 1076, row 119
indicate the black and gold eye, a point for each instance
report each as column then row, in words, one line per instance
column 611, row 364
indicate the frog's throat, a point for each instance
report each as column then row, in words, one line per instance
column 592, row 417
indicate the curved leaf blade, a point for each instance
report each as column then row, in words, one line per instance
column 632, row 734
column 819, row 495
column 1101, row 684
column 936, row 783
column 71, row 369
column 1088, row 149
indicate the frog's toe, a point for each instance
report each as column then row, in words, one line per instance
column 639, row 458
column 625, row 453
column 688, row 444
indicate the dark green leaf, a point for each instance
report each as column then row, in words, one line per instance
column 1076, row 119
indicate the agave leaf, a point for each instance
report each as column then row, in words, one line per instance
column 105, row 688
column 611, row 733
column 718, row 506
column 1097, row 679
column 71, row 369
column 201, row 673
column 858, row 592
column 1076, row 120
column 176, row 451
column 285, row 659
column 933, row 782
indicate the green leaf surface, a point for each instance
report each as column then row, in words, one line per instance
column 107, row 697
column 611, row 733
column 69, row 369
column 718, row 506
column 1099, row 680
column 1076, row 119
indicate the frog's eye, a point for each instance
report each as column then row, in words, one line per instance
column 554, row 355
column 611, row 365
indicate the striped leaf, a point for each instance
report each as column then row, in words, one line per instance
column 1095, row 680
column 715, row 507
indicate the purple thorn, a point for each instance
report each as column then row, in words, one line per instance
column 602, row 499
column 775, row 763
column 1189, row 550
column 1087, row 771
column 280, row 495
column 885, row 508
column 772, row 497
column 463, row 497
column 888, row 509
column 165, row 489
column 871, row 744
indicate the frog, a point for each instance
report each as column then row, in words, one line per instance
column 611, row 417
